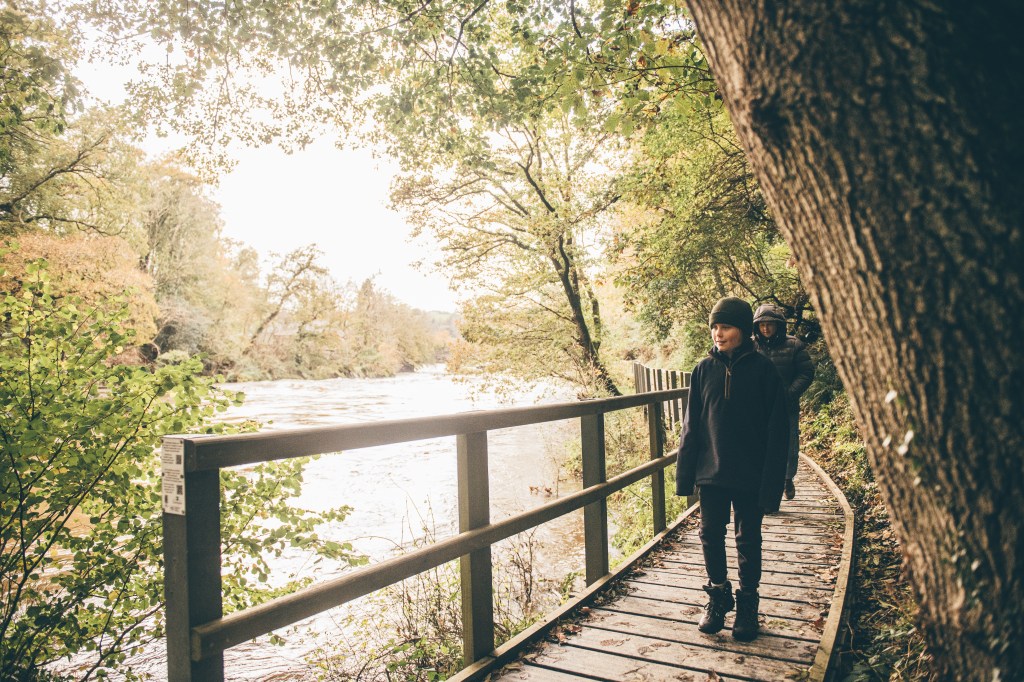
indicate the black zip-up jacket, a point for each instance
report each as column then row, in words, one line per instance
column 735, row 432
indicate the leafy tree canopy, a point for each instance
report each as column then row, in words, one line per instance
column 409, row 64
column 697, row 227
column 37, row 90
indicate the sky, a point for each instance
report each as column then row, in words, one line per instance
column 335, row 198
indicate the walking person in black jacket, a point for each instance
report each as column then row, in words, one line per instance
column 796, row 369
column 733, row 448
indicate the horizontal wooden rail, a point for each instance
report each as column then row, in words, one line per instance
column 197, row 631
column 240, row 627
column 204, row 453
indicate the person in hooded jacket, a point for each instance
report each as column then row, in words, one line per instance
column 790, row 356
column 733, row 448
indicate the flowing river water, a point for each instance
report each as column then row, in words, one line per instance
column 397, row 492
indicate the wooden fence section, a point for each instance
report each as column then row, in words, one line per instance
column 647, row 379
column 198, row 632
column 644, row 625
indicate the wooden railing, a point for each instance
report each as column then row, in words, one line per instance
column 647, row 379
column 198, row 632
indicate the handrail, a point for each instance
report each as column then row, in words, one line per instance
column 222, row 451
column 242, row 626
column 198, row 632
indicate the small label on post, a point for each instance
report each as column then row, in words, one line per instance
column 172, row 469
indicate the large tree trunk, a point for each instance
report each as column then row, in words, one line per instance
column 886, row 138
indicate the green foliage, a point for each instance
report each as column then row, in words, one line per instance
column 80, row 526
column 434, row 60
column 514, row 194
column 261, row 523
column 508, row 118
column 81, row 175
column 38, row 91
column 309, row 326
column 627, row 444
column 178, row 236
column 697, row 227
column 74, row 189
column 826, row 385
column 518, row 336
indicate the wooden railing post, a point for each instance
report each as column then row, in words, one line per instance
column 475, row 567
column 676, row 416
column 659, row 382
column 198, row 633
column 595, row 515
column 657, row 439
column 192, row 582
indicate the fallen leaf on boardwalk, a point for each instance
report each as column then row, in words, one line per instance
column 612, row 642
column 818, row 624
column 584, row 609
column 660, row 645
column 713, row 676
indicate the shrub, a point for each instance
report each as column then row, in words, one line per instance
column 80, row 512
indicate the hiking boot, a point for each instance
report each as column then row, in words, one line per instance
column 745, row 626
column 790, row 489
column 720, row 602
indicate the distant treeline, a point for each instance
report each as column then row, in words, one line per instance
column 208, row 297
column 110, row 222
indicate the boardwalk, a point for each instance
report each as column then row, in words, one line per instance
column 644, row 627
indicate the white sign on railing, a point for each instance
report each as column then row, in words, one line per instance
column 172, row 475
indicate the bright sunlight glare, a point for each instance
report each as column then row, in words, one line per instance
column 276, row 202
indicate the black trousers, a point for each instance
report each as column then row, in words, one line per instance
column 715, row 504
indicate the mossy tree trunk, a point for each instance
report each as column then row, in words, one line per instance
column 886, row 138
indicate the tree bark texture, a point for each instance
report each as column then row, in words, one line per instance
column 887, row 138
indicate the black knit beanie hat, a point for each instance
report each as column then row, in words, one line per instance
column 734, row 312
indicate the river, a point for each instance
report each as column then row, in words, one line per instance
column 397, row 491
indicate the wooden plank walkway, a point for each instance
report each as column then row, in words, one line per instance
column 643, row 626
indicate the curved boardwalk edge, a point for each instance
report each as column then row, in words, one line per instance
column 511, row 649
column 640, row 621
column 837, row 613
